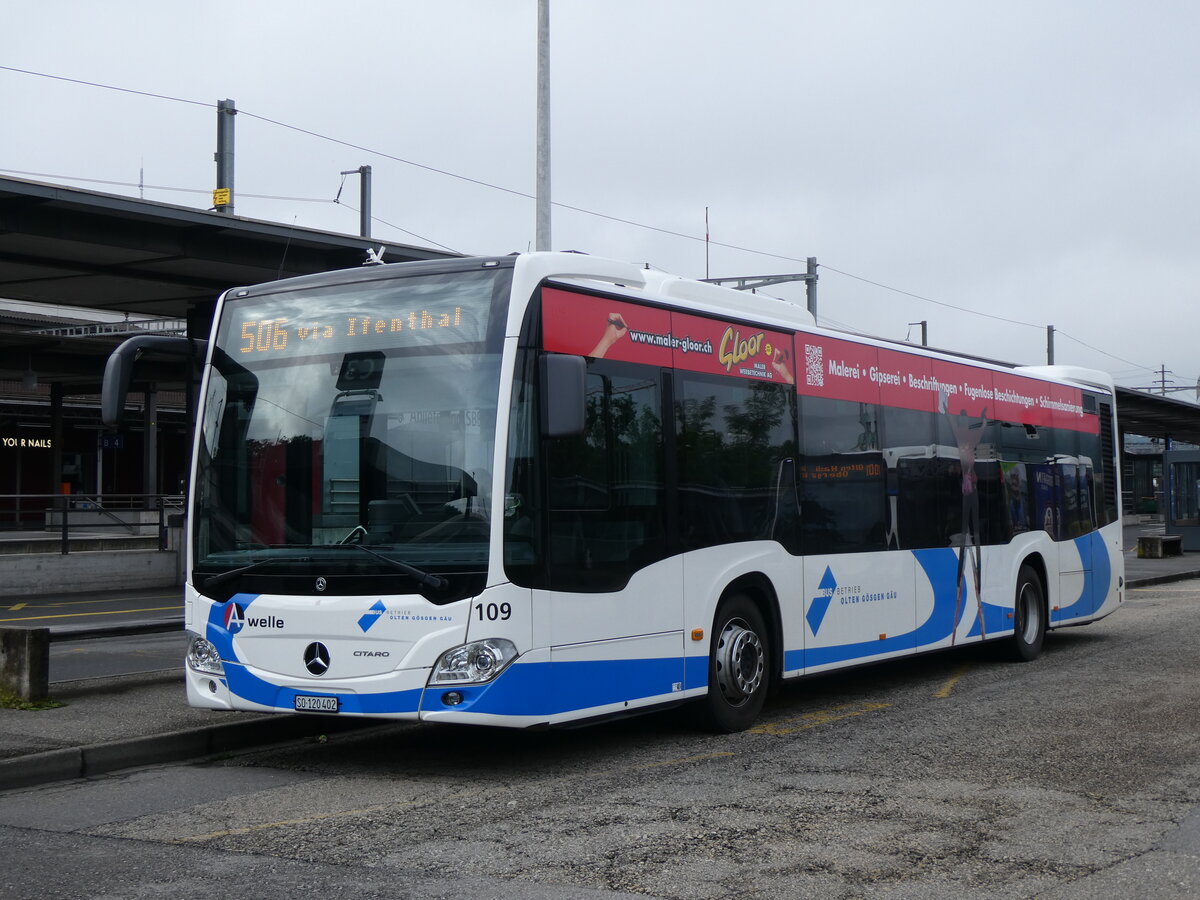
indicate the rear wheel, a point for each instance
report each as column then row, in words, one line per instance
column 739, row 667
column 1029, row 617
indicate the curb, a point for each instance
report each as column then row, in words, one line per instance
column 1159, row 579
column 192, row 743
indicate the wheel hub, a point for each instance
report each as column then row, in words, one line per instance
column 740, row 662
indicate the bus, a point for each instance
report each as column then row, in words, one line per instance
column 552, row 488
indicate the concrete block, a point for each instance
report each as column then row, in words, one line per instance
column 25, row 662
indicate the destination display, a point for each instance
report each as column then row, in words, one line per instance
column 280, row 335
column 409, row 313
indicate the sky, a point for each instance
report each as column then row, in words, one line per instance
column 990, row 169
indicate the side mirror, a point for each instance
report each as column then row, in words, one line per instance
column 562, row 392
column 118, row 371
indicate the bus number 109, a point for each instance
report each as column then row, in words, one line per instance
column 494, row 611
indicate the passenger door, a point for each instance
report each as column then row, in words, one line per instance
column 615, row 605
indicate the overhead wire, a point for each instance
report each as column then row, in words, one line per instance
column 975, row 312
column 419, row 237
column 409, row 162
column 513, row 192
column 162, row 187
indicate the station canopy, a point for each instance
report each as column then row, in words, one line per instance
column 113, row 254
column 1156, row 416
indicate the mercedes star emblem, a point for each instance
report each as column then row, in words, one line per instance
column 322, row 584
column 316, row 658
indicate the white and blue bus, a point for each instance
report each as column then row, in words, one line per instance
column 552, row 488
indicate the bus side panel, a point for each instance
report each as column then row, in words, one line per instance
column 1110, row 596
column 609, row 647
column 858, row 607
column 707, row 575
column 1087, row 585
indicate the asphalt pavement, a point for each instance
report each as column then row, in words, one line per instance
column 117, row 722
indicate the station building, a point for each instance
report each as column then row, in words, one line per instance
column 80, row 271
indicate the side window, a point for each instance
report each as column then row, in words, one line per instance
column 843, row 492
column 924, row 486
column 524, row 503
column 734, row 438
column 606, row 505
column 1185, row 499
column 1102, row 451
column 972, row 447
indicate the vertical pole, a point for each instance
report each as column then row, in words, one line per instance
column 226, row 110
column 150, row 443
column 706, row 242
column 56, row 437
column 62, row 502
column 924, row 332
column 1049, row 345
column 811, row 286
column 542, row 226
column 364, row 203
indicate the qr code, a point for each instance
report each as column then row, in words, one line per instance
column 814, row 365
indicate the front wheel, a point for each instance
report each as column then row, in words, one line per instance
column 739, row 667
column 1029, row 617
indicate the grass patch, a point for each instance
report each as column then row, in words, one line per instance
column 12, row 701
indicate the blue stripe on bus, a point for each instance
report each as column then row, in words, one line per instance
column 1097, row 579
column 256, row 690
column 550, row 688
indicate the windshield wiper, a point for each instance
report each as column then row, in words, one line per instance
column 435, row 582
column 222, row 577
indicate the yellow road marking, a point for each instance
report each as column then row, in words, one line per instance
column 16, row 606
column 687, row 759
column 819, row 717
column 263, row 826
column 111, row 612
column 946, row 688
column 60, row 604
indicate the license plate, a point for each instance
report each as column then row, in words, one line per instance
column 306, row 703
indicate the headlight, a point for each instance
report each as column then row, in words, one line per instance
column 475, row 663
column 203, row 657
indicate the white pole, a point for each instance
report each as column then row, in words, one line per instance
column 542, row 228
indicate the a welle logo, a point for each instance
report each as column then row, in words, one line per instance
column 236, row 619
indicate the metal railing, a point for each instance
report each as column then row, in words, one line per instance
column 78, row 513
column 25, row 651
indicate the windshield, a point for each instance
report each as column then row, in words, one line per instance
column 354, row 417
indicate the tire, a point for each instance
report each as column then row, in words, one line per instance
column 739, row 667
column 1029, row 617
